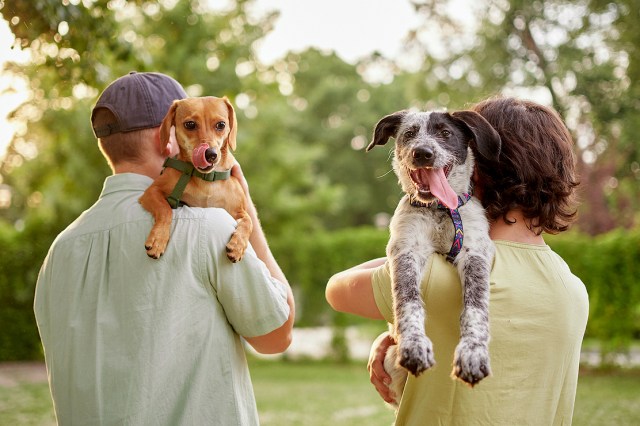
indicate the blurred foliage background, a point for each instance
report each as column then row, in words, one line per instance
column 305, row 120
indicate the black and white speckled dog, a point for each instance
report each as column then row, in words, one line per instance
column 434, row 161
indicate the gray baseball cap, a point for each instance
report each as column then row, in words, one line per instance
column 138, row 100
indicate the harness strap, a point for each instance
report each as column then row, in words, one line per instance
column 454, row 214
column 188, row 170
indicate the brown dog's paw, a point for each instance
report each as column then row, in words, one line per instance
column 155, row 245
column 153, row 252
column 234, row 253
column 236, row 248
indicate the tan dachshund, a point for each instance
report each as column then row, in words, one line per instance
column 206, row 129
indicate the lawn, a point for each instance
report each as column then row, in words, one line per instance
column 322, row 393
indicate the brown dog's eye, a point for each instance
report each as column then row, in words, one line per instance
column 220, row 125
column 190, row 125
column 445, row 133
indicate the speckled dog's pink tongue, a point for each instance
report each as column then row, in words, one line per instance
column 440, row 188
column 199, row 158
column 436, row 181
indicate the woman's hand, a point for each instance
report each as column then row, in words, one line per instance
column 378, row 375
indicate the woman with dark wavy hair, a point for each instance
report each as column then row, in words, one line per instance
column 538, row 309
column 536, row 170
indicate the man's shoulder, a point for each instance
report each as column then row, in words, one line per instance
column 202, row 213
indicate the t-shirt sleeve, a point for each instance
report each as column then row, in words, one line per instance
column 382, row 289
column 254, row 302
column 381, row 282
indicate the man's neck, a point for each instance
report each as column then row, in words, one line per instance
column 147, row 169
column 518, row 231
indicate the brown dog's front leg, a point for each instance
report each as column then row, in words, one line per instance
column 240, row 237
column 153, row 200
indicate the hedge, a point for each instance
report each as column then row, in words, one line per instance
column 608, row 265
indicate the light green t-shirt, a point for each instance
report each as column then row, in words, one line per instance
column 131, row 340
column 538, row 314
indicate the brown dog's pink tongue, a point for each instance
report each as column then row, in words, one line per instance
column 439, row 187
column 199, row 158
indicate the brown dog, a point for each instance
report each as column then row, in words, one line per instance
column 206, row 130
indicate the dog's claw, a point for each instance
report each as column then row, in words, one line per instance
column 156, row 244
column 233, row 256
column 416, row 355
column 235, row 250
column 471, row 363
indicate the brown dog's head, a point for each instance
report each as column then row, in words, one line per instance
column 206, row 128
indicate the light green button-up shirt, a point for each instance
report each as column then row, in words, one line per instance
column 131, row 340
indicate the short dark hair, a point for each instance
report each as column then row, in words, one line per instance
column 124, row 146
column 536, row 169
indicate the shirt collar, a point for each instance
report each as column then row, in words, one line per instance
column 125, row 182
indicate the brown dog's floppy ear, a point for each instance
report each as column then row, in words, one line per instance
column 487, row 141
column 386, row 128
column 168, row 121
column 233, row 124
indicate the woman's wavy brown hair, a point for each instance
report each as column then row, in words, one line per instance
column 536, row 169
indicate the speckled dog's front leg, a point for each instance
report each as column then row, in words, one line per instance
column 415, row 350
column 471, row 361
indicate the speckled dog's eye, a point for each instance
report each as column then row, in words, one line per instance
column 220, row 125
column 190, row 125
column 409, row 134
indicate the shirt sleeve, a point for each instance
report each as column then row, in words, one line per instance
column 254, row 302
column 382, row 293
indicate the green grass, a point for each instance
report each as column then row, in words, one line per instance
column 28, row 404
column 322, row 393
column 608, row 398
column 317, row 394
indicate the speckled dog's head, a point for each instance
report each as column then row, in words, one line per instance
column 435, row 151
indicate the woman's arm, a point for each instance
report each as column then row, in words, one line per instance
column 351, row 291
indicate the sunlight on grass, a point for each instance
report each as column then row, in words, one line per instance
column 323, row 393
column 316, row 393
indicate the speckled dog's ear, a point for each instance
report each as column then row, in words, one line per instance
column 487, row 140
column 386, row 128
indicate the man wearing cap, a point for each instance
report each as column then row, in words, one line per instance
column 134, row 340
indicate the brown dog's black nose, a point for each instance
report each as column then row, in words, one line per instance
column 210, row 154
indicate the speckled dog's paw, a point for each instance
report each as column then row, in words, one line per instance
column 416, row 354
column 471, row 363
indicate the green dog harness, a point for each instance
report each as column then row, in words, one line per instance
column 188, row 170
